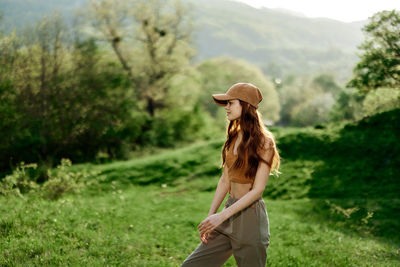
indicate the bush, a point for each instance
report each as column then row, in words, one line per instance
column 64, row 181
column 19, row 181
column 60, row 181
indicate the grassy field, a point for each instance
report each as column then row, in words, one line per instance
column 153, row 226
column 144, row 211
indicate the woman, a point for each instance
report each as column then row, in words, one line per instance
column 248, row 156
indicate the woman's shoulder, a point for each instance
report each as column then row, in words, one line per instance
column 266, row 143
column 266, row 149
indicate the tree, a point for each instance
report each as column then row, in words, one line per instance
column 150, row 40
column 307, row 100
column 327, row 84
column 380, row 63
column 60, row 99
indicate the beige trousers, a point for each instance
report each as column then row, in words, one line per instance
column 245, row 235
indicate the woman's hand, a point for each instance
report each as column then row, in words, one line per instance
column 208, row 225
column 204, row 238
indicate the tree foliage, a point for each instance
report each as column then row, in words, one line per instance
column 150, row 40
column 59, row 98
column 64, row 94
column 380, row 62
column 307, row 100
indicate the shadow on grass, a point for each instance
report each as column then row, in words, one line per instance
column 350, row 173
column 358, row 184
column 198, row 162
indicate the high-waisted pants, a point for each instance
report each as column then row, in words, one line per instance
column 245, row 235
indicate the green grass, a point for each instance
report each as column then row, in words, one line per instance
column 335, row 204
column 155, row 226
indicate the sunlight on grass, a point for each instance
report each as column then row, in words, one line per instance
column 152, row 226
column 326, row 209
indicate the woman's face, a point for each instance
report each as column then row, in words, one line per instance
column 233, row 109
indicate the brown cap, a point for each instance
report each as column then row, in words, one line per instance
column 244, row 91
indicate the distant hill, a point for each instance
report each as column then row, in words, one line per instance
column 17, row 13
column 278, row 41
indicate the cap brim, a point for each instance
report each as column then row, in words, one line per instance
column 222, row 99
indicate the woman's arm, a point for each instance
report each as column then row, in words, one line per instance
column 260, row 182
column 220, row 193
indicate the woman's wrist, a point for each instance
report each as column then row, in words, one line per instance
column 224, row 214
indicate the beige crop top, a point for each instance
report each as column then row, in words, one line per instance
column 238, row 175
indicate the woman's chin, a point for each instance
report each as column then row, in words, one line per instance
column 231, row 118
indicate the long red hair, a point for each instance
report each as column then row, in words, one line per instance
column 255, row 136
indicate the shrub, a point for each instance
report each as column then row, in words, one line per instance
column 19, row 181
column 64, row 181
column 60, row 181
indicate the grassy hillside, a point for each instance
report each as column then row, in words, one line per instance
column 334, row 204
column 353, row 165
column 155, row 226
column 336, row 161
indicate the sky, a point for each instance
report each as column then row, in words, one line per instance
column 342, row 10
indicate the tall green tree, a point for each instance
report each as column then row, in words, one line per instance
column 380, row 62
column 60, row 99
column 150, row 38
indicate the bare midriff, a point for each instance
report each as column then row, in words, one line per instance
column 238, row 190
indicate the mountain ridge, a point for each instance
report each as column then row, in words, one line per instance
column 277, row 42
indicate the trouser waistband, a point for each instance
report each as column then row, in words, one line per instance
column 232, row 200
